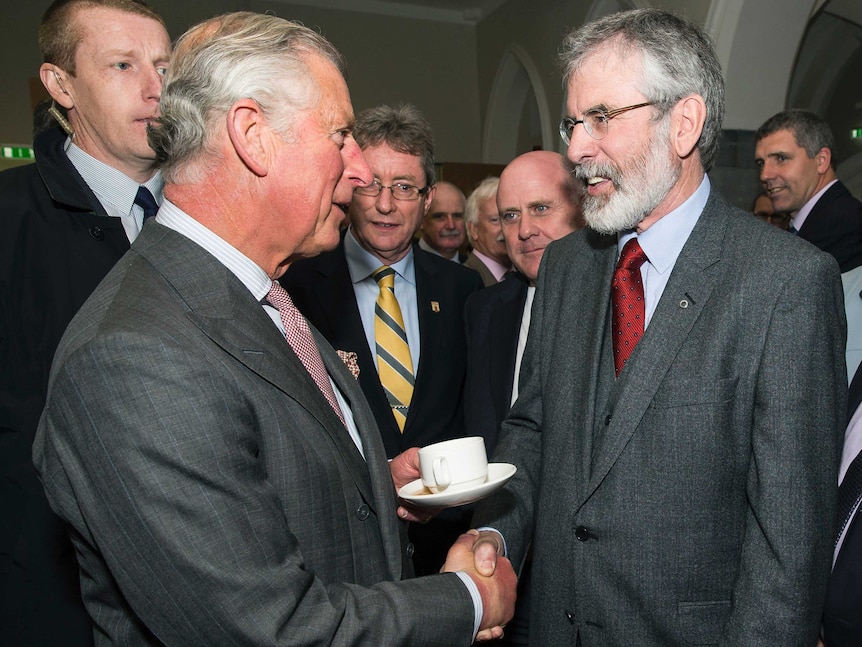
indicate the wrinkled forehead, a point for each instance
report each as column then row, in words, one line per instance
column 605, row 75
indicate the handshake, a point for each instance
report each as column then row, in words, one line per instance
column 477, row 554
column 480, row 555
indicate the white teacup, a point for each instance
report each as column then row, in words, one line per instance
column 456, row 463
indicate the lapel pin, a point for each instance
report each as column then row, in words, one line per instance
column 435, row 306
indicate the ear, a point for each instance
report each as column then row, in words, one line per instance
column 687, row 119
column 250, row 136
column 429, row 198
column 823, row 159
column 54, row 80
column 473, row 229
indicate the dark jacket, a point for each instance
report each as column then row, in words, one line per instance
column 493, row 318
column 835, row 226
column 56, row 245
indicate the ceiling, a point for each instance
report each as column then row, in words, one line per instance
column 474, row 11
column 454, row 11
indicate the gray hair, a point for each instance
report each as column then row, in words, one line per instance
column 225, row 59
column 402, row 128
column 486, row 190
column 810, row 131
column 678, row 60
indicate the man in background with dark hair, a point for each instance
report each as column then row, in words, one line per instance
column 66, row 221
column 416, row 398
column 794, row 156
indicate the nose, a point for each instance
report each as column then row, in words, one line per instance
column 525, row 227
column 153, row 84
column 385, row 203
column 450, row 221
column 581, row 145
column 766, row 172
column 355, row 166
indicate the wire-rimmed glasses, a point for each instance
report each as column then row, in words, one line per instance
column 595, row 122
column 400, row 190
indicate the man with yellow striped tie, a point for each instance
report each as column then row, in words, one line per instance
column 396, row 307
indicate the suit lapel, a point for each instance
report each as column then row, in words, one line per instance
column 595, row 306
column 430, row 331
column 337, row 301
column 374, row 469
column 691, row 284
column 226, row 312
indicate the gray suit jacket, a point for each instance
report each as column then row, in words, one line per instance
column 213, row 496
column 685, row 502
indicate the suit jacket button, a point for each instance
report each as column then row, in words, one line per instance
column 582, row 533
column 362, row 512
column 410, row 550
column 97, row 233
column 607, row 420
column 570, row 617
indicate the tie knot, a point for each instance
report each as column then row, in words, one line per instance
column 385, row 276
column 145, row 200
column 632, row 256
column 279, row 298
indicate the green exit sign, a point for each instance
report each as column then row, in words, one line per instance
column 856, row 133
column 17, row 152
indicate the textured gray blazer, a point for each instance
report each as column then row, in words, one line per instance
column 473, row 262
column 689, row 501
column 213, row 496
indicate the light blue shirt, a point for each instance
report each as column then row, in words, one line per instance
column 115, row 190
column 663, row 242
column 361, row 265
column 252, row 277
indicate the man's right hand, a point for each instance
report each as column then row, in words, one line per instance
column 494, row 577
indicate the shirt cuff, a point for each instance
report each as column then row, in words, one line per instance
column 477, row 600
column 500, row 534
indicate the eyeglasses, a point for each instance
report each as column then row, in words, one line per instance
column 595, row 122
column 400, row 190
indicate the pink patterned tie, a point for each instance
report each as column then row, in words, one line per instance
column 627, row 303
column 302, row 342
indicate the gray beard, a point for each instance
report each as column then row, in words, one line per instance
column 636, row 195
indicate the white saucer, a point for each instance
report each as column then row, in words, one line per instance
column 417, row 494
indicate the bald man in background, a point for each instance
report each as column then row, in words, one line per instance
column 539, row 201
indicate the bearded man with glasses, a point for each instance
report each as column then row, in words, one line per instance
column 682, row 395
column 415, row 390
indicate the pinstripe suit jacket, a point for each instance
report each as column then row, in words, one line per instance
column 213, row 496
column 684, row 502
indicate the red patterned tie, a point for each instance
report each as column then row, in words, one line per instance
column 302, row 342
column 627, row 303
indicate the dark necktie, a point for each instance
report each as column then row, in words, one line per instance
column 145, row 200
column 302, row 342
column 849, row 493
column 627, row 303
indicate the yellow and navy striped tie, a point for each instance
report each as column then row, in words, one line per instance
column 394, row 365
